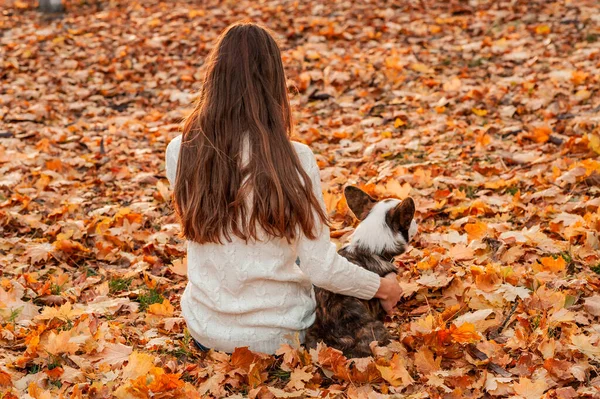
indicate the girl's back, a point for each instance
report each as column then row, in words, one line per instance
column 250, row 205
column 254, row 293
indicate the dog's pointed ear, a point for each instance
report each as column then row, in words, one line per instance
column 402, row 215
column 359, row 202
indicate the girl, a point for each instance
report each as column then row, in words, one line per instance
column 251, row 207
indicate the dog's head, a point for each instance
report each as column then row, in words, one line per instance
column 386, row 227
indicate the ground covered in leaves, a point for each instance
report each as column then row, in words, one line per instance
column 485, row 112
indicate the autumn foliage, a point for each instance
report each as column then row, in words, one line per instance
column 485, row 112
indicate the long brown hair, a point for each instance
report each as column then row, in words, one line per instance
column 243, row 106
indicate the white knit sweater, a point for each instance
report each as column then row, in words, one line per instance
column 254, row 294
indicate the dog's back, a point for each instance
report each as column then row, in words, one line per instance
column 351, row 324
column 347, row 323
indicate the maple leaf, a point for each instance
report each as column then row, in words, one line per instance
column 473, row 317
column 164, row 309
column 179, row 267
column 396, row 373
column 38, row 393
column 479, row 112
column 558, row 368
column 69, row 246
column 39, row 252
column 291, row 357
column 256, row 375
column 585, row 346
column 214, row 385
column 465, row 333
column 541, row 134
column 592, row 305
column 393, row 188
column 529, row 389
column 139, row 364
column 60, row 343
column 542, row 29
column 5, row 379
column 64, row 313
column 242, row 358
column 425, row 361
column 14, row 309
column 554, row 265
column 164, row 382
column 113, row 354
column 299, row 378
column 476, row 231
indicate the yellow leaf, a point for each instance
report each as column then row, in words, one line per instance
column 196, row 13
column 138, row 364
column 396, row 373
column 331, row 200
column 60, row 343
column 528, row 389
column 422, row 68
column 553, row 265
column 479, row 112
column 69, row 246
column 542, row 29
column 393, row 188
column 299, row 378
column 154, row 23
column 476, row 231
column 584, row 345
column 179, row 267
column 483, row 139
column 399, row 122
column 21, row 5
column 425, row 361
column 434, row 29
column 64, row 313
column 465, row 333
column 578, row 77
column 541, row 134
column 583, row 95
column 162, row 309
column 163, row 190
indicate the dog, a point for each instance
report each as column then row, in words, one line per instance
column 385, row 230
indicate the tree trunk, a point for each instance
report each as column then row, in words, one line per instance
column 51, row 6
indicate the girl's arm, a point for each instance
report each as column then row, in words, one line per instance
column 171, row 156
column 327, row 269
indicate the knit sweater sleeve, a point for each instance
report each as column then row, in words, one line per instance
column 320, row 261
column 171, row 157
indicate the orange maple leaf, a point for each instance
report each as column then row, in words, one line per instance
column 541, row 134
column 464, row 334
column 553, row 265
column 476, row 231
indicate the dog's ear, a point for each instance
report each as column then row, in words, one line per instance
column 359, row 202
column 400, row 217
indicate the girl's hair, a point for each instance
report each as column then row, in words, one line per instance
column 243, row 106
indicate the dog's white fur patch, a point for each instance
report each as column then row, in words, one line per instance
column 374, row 234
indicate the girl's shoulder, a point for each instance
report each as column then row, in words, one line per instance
column 174, row 145
column 307, row 158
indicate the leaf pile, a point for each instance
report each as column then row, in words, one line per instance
column 485, row 112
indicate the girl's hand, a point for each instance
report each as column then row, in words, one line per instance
column 389, row 292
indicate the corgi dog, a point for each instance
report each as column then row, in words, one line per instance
column 350, row 324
